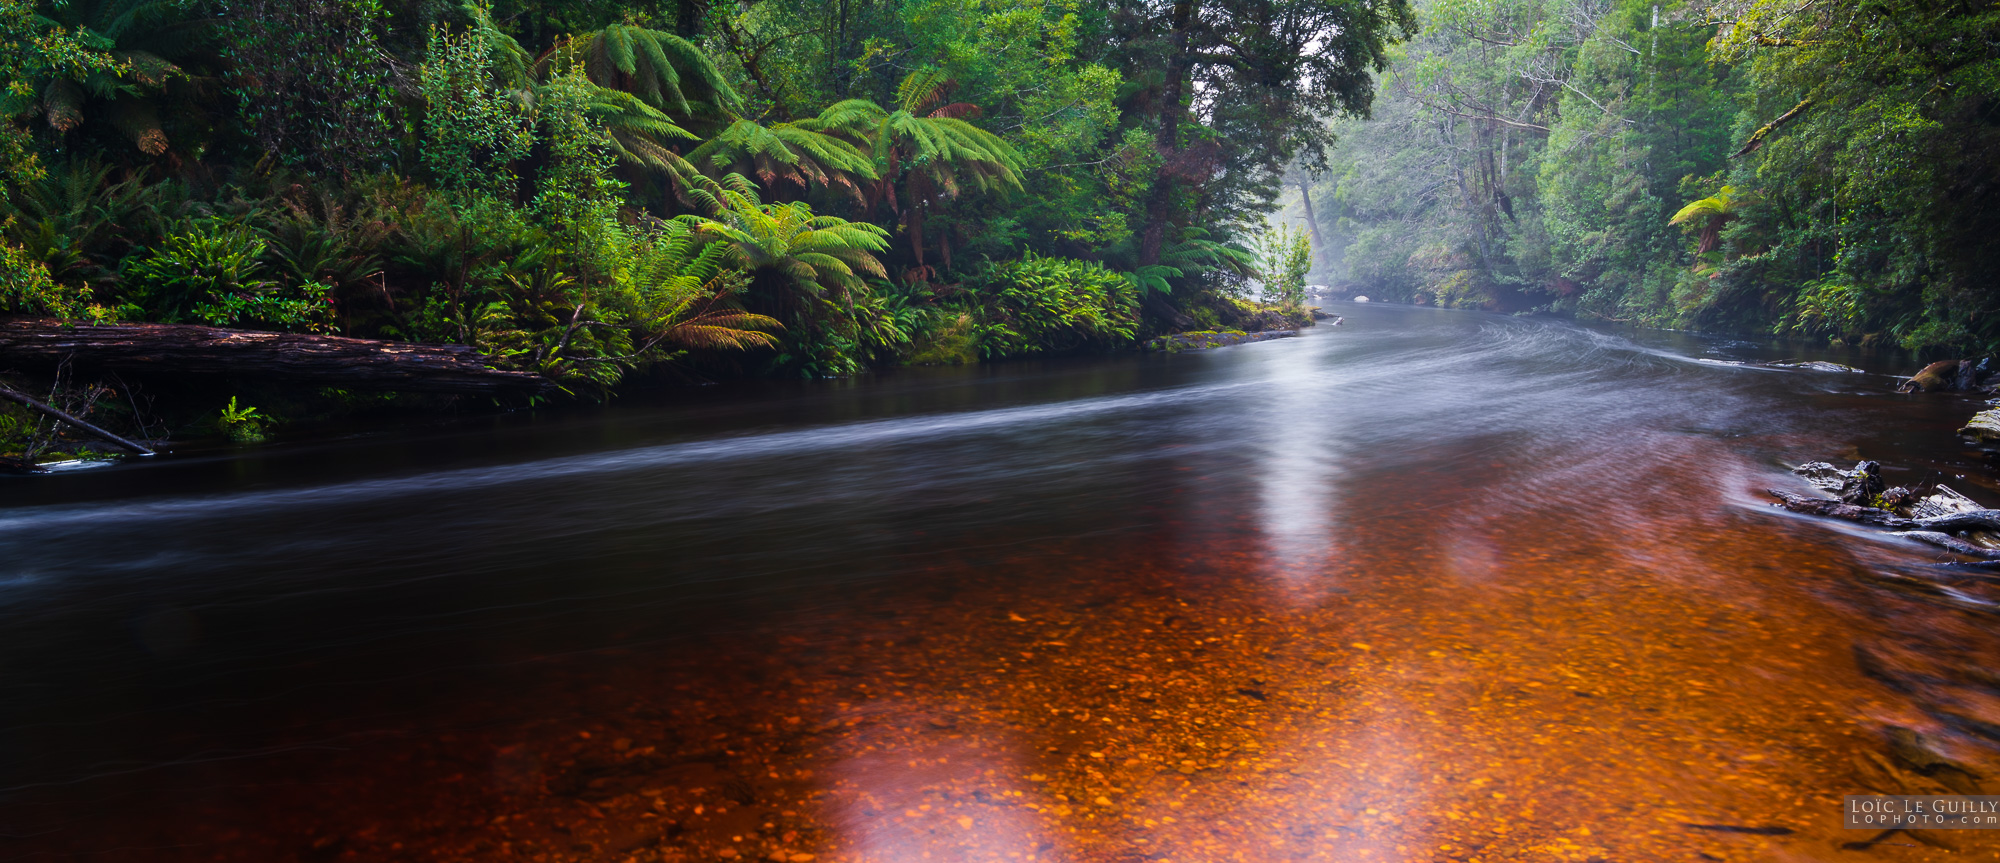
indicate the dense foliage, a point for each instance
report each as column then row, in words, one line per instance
column 1814, row 169
column 585, row 189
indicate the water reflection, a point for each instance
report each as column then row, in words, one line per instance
column 900, row 797
column 1299, row 436
column 1430, row 586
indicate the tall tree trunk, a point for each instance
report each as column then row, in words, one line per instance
column 1312, row 220
column 838, row 51
column 1159, row 203
column 687, row 18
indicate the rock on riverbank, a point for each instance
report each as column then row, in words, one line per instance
column 1203, row 340
column 1984, row 427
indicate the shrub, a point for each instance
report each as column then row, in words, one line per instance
column 211, row 271
column 1037, row 305
column 304, row 308
column 202, row 262
column 26, row 287
column 955, row 343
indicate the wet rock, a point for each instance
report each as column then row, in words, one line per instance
column 1948, row 375
column 1814, row 366
column 1863, row 485
column 1947, row 542
column 1822, row 475
column 1984, row 427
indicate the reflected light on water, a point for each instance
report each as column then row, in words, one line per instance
column 1297, row 454
column 902, row 778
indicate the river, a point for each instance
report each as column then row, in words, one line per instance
column 1429, row 585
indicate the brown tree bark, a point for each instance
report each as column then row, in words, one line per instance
column 1159, row 203
column 334, row 361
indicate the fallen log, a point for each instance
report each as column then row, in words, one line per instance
column 33, row 404
column 1950, row 543
column 1835, row 509
column 1978, row 519
column 334, row 361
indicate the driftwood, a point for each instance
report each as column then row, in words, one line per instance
column 334, row 361
column 23, row 399
column 1978, row 519
column 1951, row 543
column 1931, row 518
column 1835, row 509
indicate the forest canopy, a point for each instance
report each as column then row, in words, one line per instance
column 1816, row 170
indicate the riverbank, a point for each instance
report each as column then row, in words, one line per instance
column 106, row 392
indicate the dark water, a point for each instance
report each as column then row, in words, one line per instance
column 1427, row 585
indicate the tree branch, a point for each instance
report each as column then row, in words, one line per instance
column 1757, row 137
column 33, row 404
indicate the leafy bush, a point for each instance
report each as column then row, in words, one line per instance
column 1038, row 304
column 25, row 286
column 308, row 308
column 473, row 130
column 955, row 343
column 1284, row 258
column 212, row 271
column 205, row 261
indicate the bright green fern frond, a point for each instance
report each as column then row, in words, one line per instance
column 922, row 90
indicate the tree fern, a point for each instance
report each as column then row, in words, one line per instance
column 1717, row 209
column 925, row 152
column 139, row 37
column 665, row 71
column 811, row 253
column 788, row 153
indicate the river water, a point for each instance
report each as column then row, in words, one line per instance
column 1428, row 585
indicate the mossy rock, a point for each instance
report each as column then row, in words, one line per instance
column 1201, row 340
column 1984, row 426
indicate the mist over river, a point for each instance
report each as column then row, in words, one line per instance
column 1427, row 585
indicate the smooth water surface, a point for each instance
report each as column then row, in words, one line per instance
column 1428, row 585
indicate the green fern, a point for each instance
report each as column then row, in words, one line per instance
column 925, row 150
column 663, row 70
column 786, row 153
